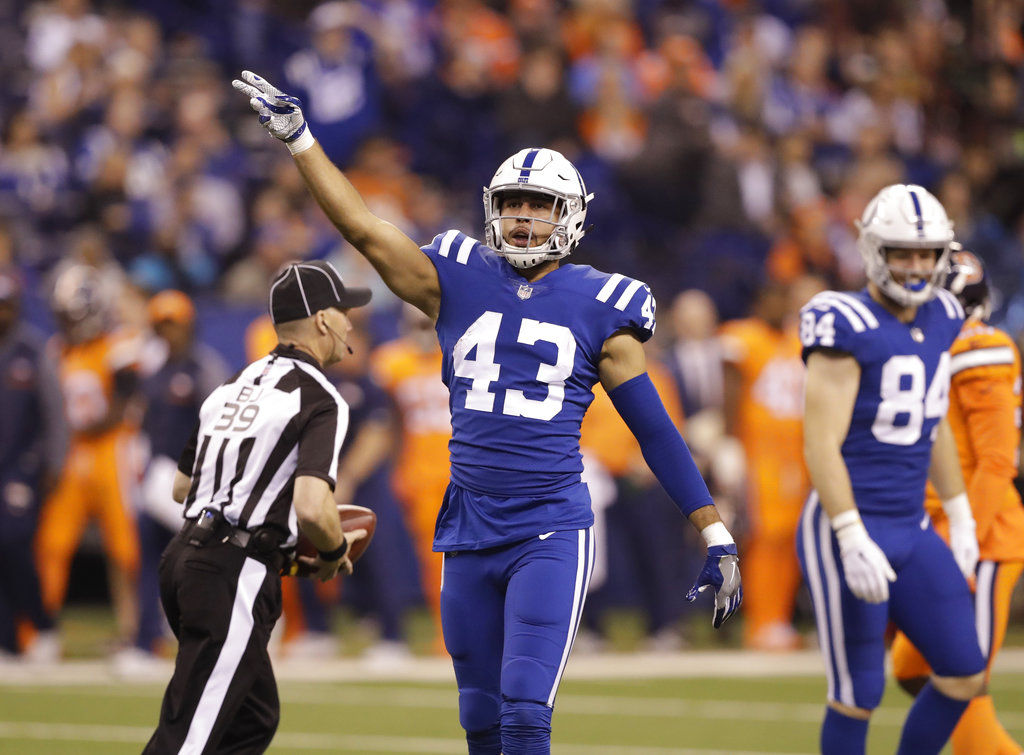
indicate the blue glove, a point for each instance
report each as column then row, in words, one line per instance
column 721, row 572
column 279, row 113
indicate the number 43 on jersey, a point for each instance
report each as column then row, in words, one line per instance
column 483, row 370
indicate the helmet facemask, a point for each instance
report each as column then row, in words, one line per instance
column 904, row 216
column 558, row 243
column 881, row 273
column 548, row 174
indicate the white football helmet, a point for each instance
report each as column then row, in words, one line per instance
column 547, row 172
column 904, row 216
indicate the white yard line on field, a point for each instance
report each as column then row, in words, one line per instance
column 289, row 741
column 731, row 664
column 566, row 704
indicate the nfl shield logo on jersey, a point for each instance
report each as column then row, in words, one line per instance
column 524, row 292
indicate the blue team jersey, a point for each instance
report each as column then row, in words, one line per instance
column 520, row 361
column 904, row 390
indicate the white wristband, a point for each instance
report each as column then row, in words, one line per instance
column 958, row 509
column 845, row 519
column 717, row 534
column 304, row 142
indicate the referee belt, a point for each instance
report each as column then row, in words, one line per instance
column 263, row 544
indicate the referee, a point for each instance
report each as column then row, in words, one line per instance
column 260, row 465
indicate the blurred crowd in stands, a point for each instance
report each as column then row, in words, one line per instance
column 730, row 145
column 726, row 142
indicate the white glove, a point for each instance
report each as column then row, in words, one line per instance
column 868, row 572
column 963, row 540
column 280, row 113
column 721, row 572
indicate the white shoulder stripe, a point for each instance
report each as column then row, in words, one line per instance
column 861, row 308
column 465, row 248
column 446, row 243
column 609, row 287
column 945, row 302
column 821, row 300
column 980, row 358
column 828, row 300
column 627, row 295
column 953, row 308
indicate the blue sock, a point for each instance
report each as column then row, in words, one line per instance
column 525, row 728
column 930, row 722
column 486, row 742
column 842, row 735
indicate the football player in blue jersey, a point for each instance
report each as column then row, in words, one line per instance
column 525, row 338
column 875, row 431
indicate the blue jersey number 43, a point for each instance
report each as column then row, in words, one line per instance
column 482, row 370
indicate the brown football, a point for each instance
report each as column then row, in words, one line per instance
column 352, row 518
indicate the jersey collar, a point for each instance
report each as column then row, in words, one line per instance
column 287, row 350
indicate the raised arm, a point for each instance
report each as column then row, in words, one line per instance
column 397, row 258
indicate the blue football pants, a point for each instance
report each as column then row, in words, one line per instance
column 930, row 601
column 509, row 616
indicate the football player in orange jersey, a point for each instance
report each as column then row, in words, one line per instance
column 763, row 394
column 96, row 366
column 984, row 413
column 408, row 368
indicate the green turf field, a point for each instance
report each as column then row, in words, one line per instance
column 744, row 710
column 643, row 717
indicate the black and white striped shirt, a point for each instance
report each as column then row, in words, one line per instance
column 278, row 419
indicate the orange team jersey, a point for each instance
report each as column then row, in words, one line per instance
column 984, row 414
column 770, row 415
column 87, row 379
column 605, row 435
column 100, row 470
column 413, row 378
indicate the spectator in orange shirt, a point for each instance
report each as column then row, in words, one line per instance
column 409, row 369
column 97, row 370
column 764, row 410
column 984, row 414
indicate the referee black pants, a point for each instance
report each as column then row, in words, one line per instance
column 222, row 605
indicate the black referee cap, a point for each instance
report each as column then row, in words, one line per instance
column 302, row 289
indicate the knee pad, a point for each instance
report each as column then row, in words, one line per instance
column 868, row 689
column 478, row 710
column 525, row 728
column 525, row 679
